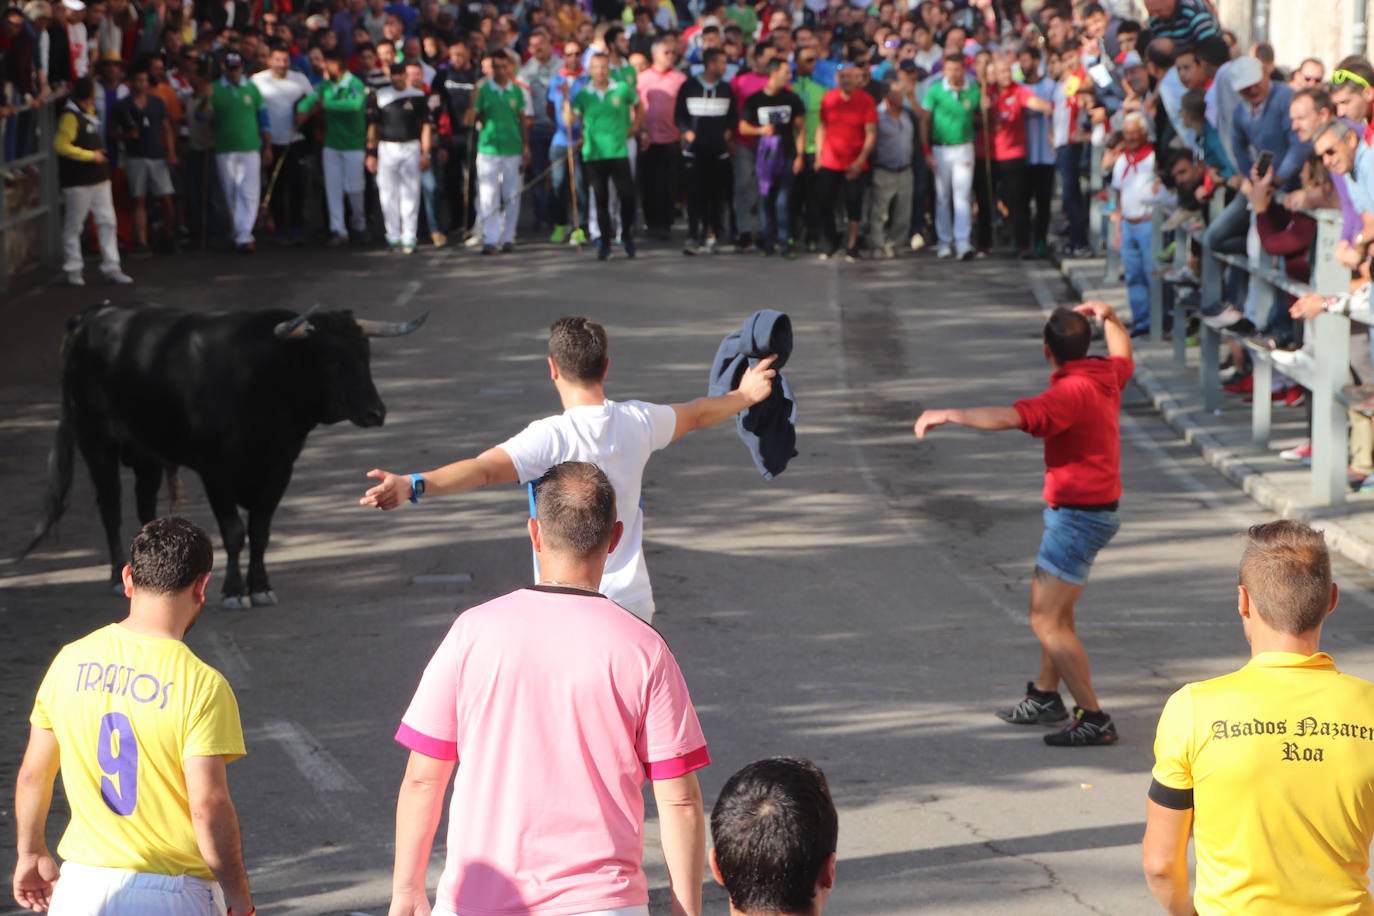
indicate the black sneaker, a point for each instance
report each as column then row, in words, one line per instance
column 1084, row 731
column 629, row 245
column 1036, row 709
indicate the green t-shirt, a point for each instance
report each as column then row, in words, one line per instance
column 606, row 120
column 811, row 93
column 239, row 117
column 625, row 73
column 745, row 18
column 501, row 111
column 951, row 113
column 345, row 112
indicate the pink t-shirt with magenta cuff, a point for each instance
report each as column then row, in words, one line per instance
column 558, row 705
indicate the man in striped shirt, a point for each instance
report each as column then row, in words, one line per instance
column 1185, row 21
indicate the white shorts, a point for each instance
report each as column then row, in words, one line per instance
column 85, row 890
column 148, row 176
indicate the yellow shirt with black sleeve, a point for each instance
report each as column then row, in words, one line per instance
column 1277, row 762
column 127, row 711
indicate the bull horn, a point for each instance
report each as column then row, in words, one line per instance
column 389, row 328
column 296, row 327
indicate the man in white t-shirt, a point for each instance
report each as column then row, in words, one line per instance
column 281, row 89
column 617, row 436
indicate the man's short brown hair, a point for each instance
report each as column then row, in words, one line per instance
column 1286, row 568
column 579, row 348
column 169, row 554
column 1068, row 335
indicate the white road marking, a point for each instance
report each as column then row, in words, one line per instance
column 442, row 579
column 230, row 660
column 406, row 294
column 319, row 767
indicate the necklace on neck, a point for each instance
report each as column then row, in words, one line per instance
column 577, row 585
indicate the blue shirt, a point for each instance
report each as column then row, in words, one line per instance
column 558, row 91
column 1039, row 149
column 1360, row 181
column 1268, row 129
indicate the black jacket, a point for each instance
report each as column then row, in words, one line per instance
column 707, row 111
column 769, row 428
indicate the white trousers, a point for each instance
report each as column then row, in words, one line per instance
column 84, row 890
column 498, row 197
column 953, row 190
column 612, row 200
column 343, row 176
column 240, row 175
column 398, row 189
column 79, row 202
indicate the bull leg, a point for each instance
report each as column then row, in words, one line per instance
column 147, row 482
column 102, row 460
column 259, row 531
column 233, row 595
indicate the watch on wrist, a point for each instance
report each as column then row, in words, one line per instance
column 417, row 487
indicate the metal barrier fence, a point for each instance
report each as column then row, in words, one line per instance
column 1322, row 366
column 39, row 167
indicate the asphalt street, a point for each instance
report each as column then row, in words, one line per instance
column 865, row 609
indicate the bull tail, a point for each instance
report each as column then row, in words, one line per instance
column 59, row 481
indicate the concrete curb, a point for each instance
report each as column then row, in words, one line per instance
column 1342, row 537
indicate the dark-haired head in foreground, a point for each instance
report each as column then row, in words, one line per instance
column 774, row 830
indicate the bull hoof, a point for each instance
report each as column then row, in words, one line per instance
column 235, row 603
column 264, row 599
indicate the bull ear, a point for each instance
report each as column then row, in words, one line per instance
column 389, row 328
column 298, row 327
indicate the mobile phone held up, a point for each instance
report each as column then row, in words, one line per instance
column 1266, row 160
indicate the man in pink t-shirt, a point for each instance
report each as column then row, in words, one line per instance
column 660, row 141
column 559, row 704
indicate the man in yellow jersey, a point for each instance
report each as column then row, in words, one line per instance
column 142, row 730
column 1271, row 767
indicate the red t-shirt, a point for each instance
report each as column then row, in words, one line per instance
column 1008, row 116
column 1077, row 418
column 845, row 121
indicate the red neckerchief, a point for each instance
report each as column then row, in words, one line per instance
column 1369, row 134
column 1133, row 160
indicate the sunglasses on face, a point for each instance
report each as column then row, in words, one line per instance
column 1326, row 153
column 1345, row 76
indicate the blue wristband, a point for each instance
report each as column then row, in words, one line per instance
column 417, row 487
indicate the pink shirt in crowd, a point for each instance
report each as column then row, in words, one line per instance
column 745, row 84
column 659, row 92
column 558, row 704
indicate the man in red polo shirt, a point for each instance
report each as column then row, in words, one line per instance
column 1077, row 418
column 845, row 137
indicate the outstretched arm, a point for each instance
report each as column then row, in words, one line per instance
column 990, row 418
column 1117, row 337
column 755, row 385
column 491, row 467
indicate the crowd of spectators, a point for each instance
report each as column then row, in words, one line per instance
column 826, row 126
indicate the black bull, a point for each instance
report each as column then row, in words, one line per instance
column 231, row 396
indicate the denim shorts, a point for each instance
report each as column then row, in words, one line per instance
column 1071, row 541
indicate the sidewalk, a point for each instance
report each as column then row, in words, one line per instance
column 1223, row 438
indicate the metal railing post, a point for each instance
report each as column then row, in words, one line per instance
column 1182, row 246
column 1331, row 355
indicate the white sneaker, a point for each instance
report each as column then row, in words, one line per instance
column 473, row 241
column 117, row 277
column 889, row 251
column 918, row 242
column 944, row 253
column 1223, row 319
column 74, row 278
